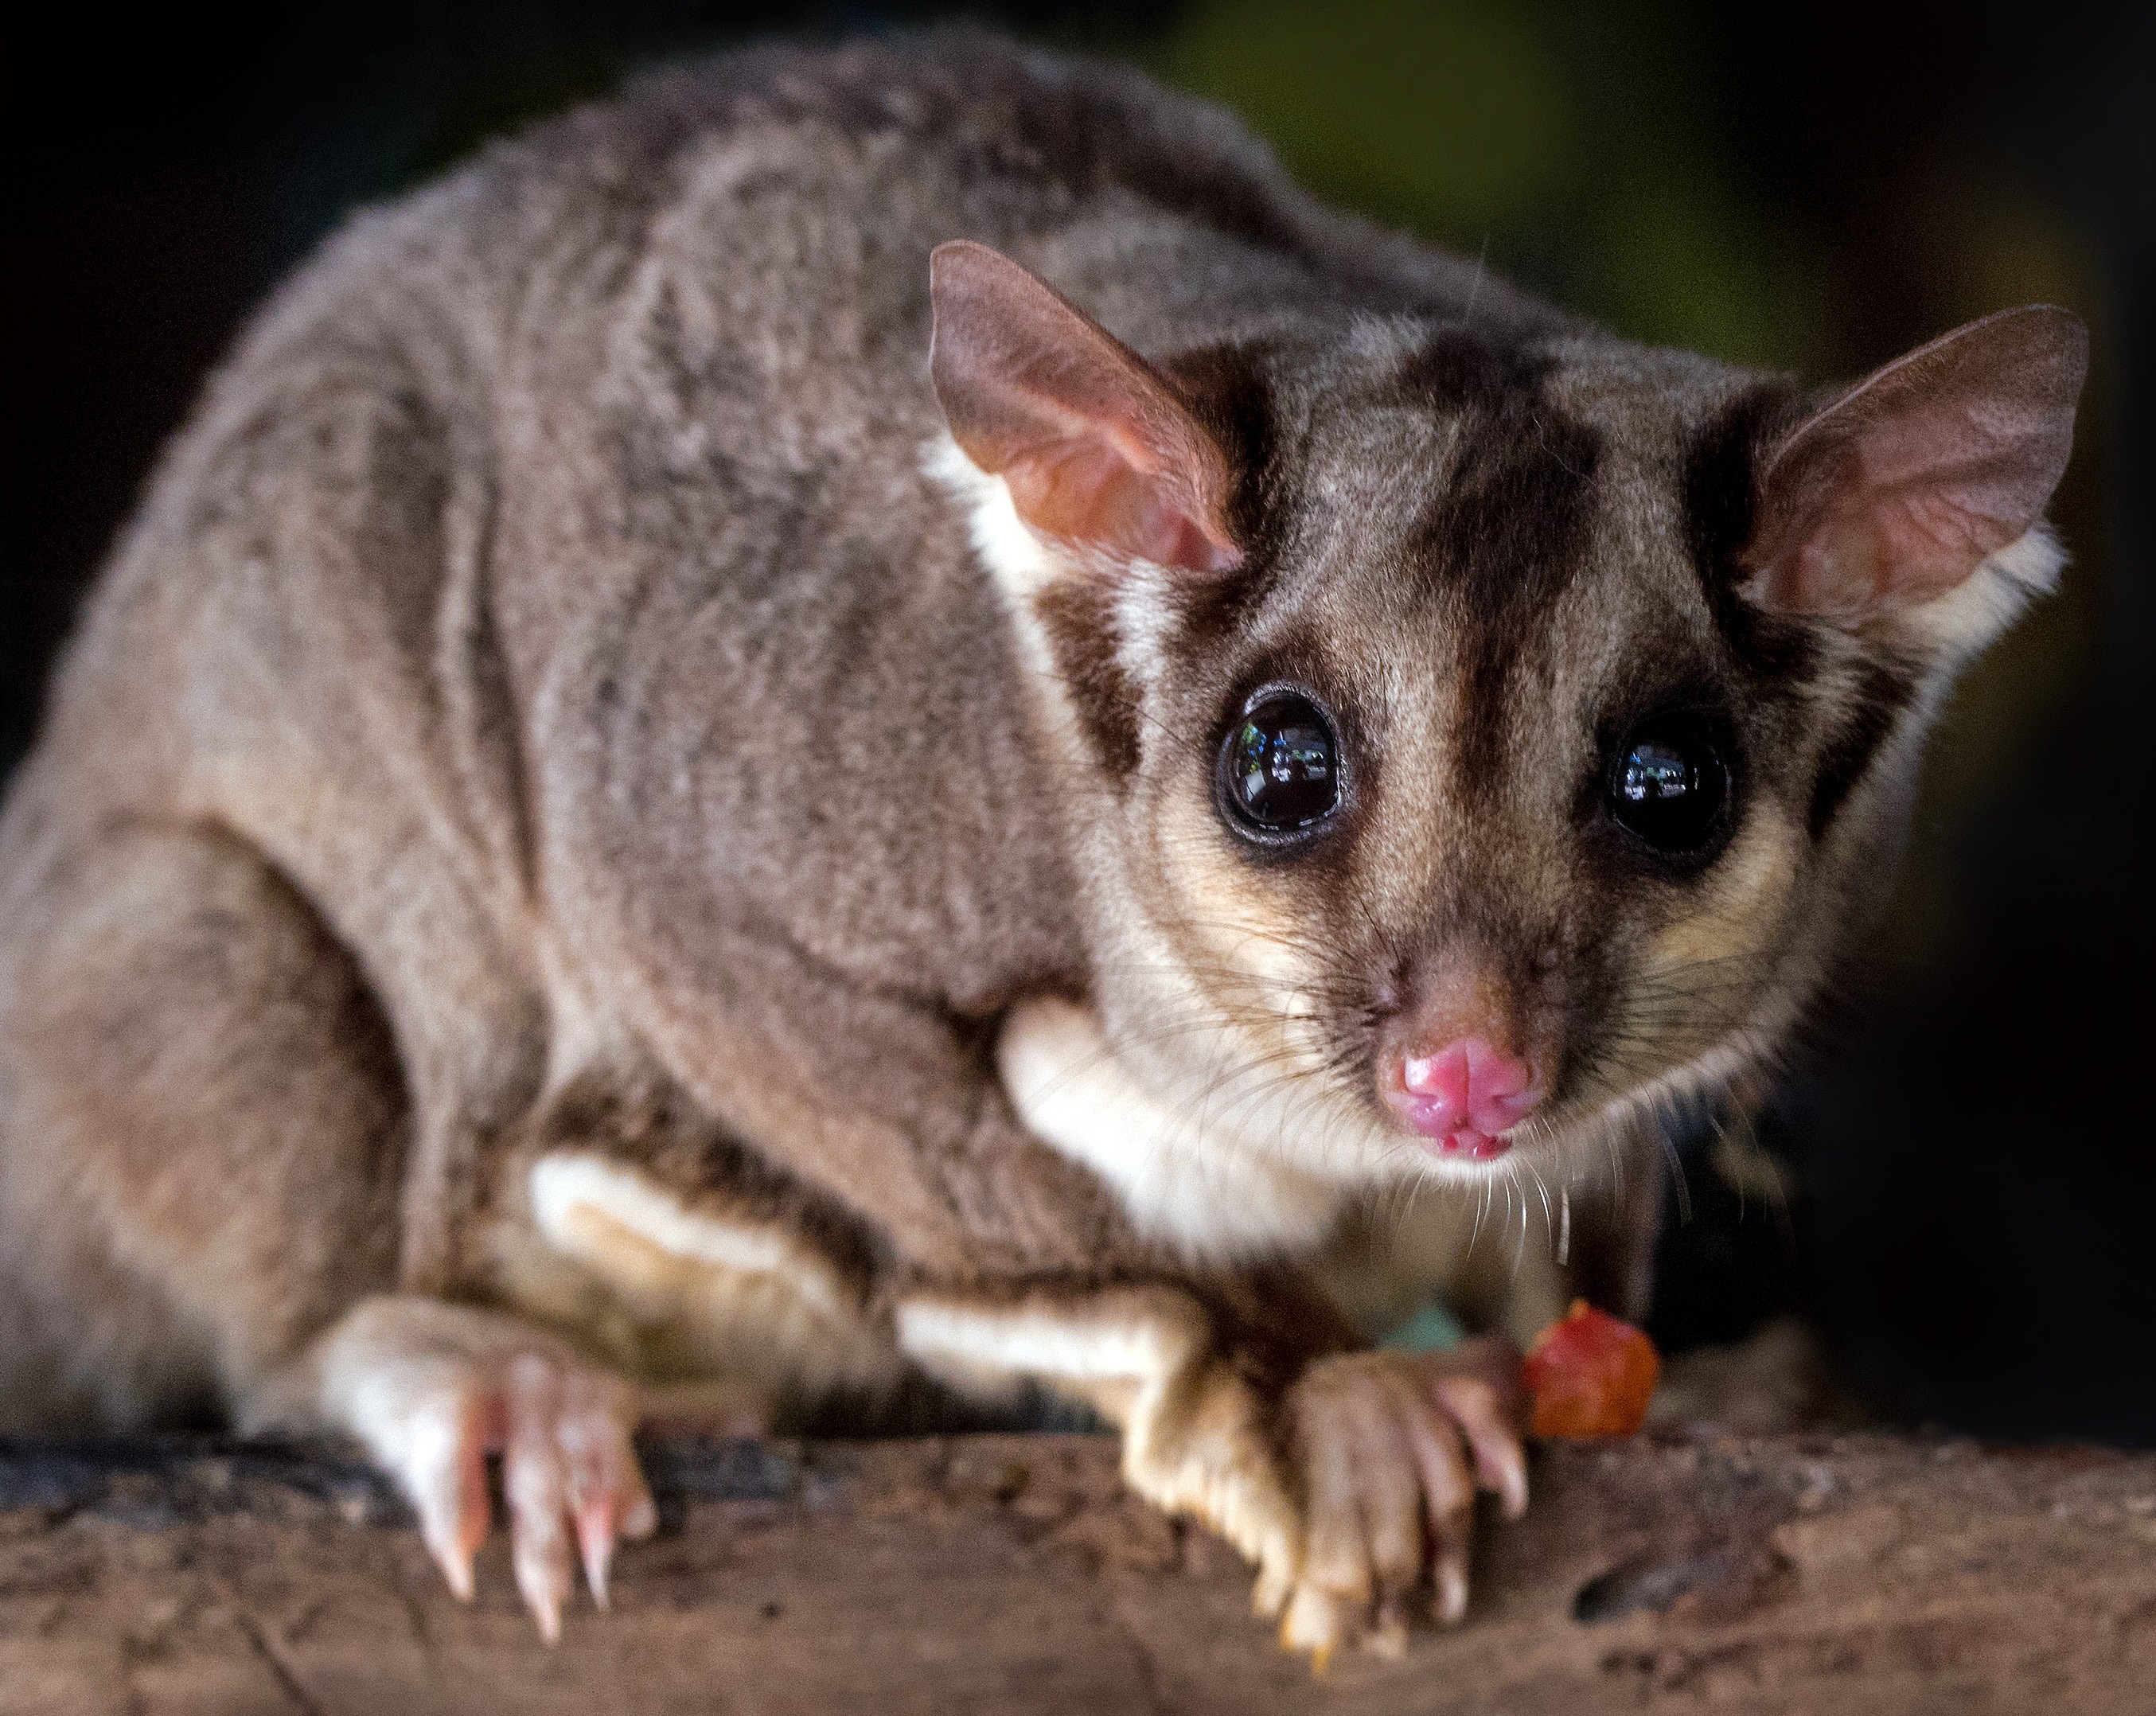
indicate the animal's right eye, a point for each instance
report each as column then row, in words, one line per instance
column 1668, row 784
column 1280, row 766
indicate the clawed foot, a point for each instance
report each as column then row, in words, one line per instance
column 1389, row 1449
column 1354, row 1493
column 433, row 1389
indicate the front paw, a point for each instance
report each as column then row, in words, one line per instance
column 1385, row 1451
column 1351, row 1487
column 1354, row 1491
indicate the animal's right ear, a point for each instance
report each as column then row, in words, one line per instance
column 1092, row 441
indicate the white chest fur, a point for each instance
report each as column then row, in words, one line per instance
column 1211, row 1196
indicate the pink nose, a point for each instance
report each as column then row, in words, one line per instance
column 1465, row 1095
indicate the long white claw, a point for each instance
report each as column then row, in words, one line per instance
column 432, row 1389
column 536, row 1482
column 1313, row 1624
column 1451, row 1585
column 606, row 1485
column 542, row 1599
column 1512, row 1475
column 1499, row 1460
column 595, row 1543
column 435, row 1456
column 454, row 1560
column 539, row 1553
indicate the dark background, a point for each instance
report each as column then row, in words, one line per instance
column 1969, row 1155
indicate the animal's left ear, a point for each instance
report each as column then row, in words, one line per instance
column 1094, row 444
column 1897, row 490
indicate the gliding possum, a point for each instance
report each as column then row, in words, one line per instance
column 887, row 713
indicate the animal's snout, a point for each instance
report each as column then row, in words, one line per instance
column 1455, row 1072
column 1463, row 1096
column 1472, row 1084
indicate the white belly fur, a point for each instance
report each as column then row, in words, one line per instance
column 1212, row 1197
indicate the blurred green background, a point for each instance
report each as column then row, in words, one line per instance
column 1816, row 188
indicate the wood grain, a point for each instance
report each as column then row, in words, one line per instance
column 1013, row 1574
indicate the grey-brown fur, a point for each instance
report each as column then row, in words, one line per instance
column 544, row 686
column 482, row 537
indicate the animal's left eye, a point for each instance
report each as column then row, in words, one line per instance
column 1668, row 784
column 1279, row 768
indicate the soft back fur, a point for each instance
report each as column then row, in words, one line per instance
column 570, row 728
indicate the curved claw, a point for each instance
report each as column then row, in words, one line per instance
column 1392, row 1448
column 444, row 1474
column 433, row 1389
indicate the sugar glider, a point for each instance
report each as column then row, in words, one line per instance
column 887, row 712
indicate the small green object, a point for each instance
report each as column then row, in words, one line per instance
column 1432, row 1330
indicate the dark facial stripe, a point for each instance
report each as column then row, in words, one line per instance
column 1884, row 689
column 1721, row 498
column 1457, row 370
column 1509, row 529
column 1228, row 390
column 1081, row 635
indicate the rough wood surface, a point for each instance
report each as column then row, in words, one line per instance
column 1012, row 1574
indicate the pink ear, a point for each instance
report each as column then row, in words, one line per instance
column 1896, row 492
column 1094, row 444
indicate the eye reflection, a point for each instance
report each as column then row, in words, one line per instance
column 1281, row 765
column 1668, row 784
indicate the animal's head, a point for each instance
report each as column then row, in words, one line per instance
column 1475, row 739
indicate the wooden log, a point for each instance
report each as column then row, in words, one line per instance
column 1013, row 1574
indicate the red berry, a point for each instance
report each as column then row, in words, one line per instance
column 1591, row 1375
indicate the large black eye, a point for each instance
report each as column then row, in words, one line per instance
column 1280, row 769
column 1668, row 784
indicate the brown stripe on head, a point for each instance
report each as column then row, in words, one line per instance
column 1511, row 527
column 1078, row 616
column 1883, row 690
column 1229, row 388
column 1723, row 462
